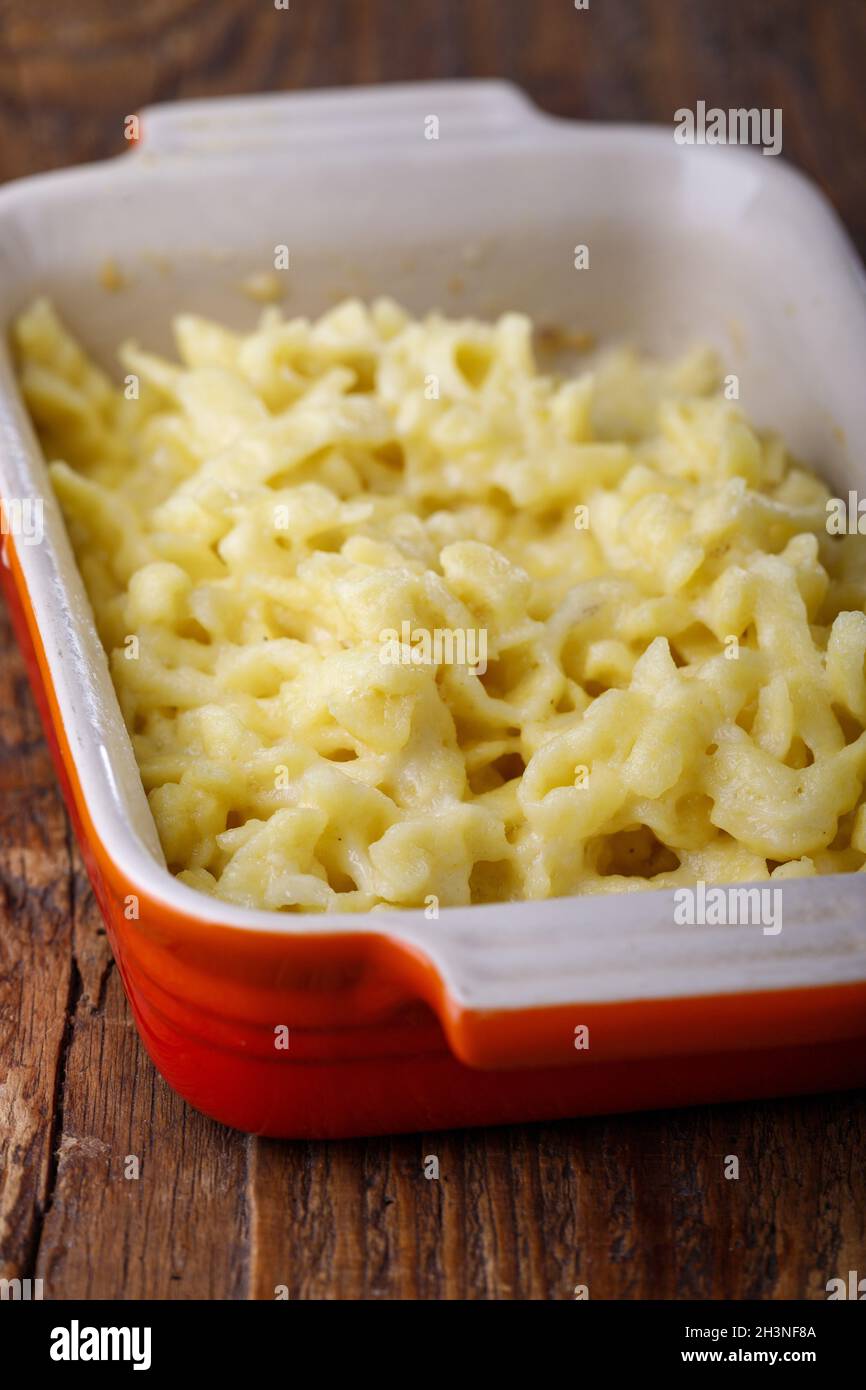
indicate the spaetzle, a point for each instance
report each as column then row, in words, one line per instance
column 274, row 530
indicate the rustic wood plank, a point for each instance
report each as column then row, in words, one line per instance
column 37, row 976
column 630, row 1206
column 176, row 1231
column 77, row 1092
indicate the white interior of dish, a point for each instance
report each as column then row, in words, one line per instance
column 687, row 245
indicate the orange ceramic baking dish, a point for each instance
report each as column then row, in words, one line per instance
column 396, row 1022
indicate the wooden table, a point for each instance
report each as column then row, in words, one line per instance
column 633, row 1206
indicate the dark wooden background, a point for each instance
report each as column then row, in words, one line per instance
column 633, row 1206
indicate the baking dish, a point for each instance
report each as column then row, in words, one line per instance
column 397, row 1022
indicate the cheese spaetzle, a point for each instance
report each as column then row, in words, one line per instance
column 395, row 618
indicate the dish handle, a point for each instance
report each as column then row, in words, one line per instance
column 314, row 120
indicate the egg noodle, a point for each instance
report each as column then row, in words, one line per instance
column 397, row 620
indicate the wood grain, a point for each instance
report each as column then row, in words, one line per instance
column 632, row 1206
column 37, row 979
